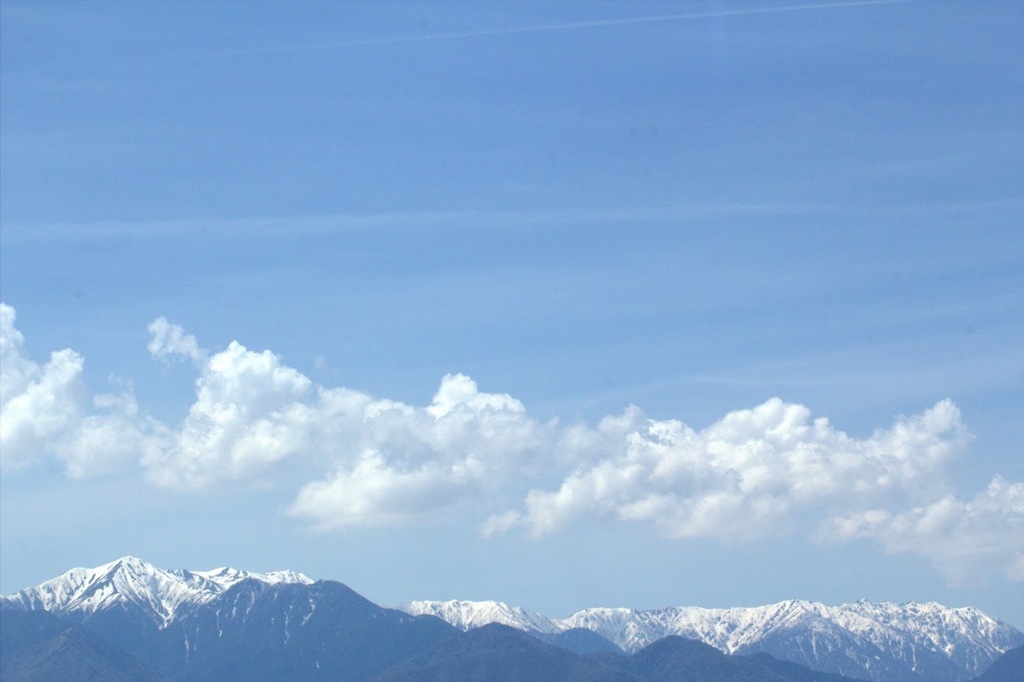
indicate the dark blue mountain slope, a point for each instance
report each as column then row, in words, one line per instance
column 38, row 647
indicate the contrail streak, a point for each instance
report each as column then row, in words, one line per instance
column 537, row 28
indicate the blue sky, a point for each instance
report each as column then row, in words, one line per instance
column 639, row 304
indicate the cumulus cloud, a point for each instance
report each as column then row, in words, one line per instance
column 744, row 476
column 373, row 492
column 386, row 461
column 966, row 539
column 170, row 339
column 355, row 459
column 250, row 412
column 111, row 438
column 408, row 462
column 46, row 410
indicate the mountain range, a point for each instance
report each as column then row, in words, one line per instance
column 877, row 641
column 131, row 620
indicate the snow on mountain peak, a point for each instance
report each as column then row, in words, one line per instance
column 130, row 580
column 471, row 614
column 902, row 632
column 876, row 638
column 225, row 577
column 286, row 576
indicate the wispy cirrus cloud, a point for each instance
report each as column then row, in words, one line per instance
column 414, row 221
column 774, row 469
column 561, row 26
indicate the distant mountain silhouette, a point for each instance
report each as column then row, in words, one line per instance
column 677, row 658
column 578, row 640
column 502, row 654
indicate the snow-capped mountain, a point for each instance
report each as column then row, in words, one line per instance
column 885, row 641
column 161, row 594
column 466, row 615
column 163, row 615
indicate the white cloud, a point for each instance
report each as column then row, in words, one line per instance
column 48, row 405
column 374, row 492
column 17, row 370
column 46, row 410
column 966, row 539
column 386, row 458
column 170, row 339
column 413, row 461
column 115, row 436
column 745, row 476
column 357, row 459
column 250, row 412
